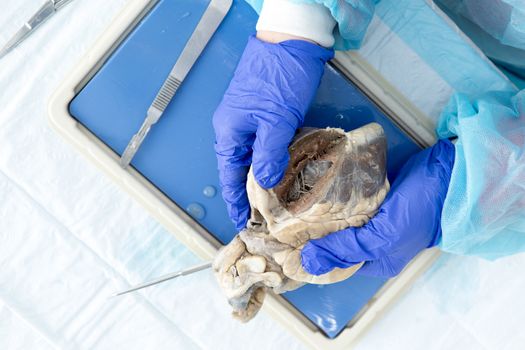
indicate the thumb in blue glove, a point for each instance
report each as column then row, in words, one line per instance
column 408, row 221
column 255, row 122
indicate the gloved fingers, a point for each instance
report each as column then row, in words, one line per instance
column 270, row 149
column 238, row 209
column 318, row 261
column 345, row 248
column 233, row 184
column 387, row 266
column 232, row 179
column 234, row 137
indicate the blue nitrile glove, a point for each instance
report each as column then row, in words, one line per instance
column 265, row 103
column 407, row 222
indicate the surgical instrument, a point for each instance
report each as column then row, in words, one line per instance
column 45, row 12
column 208, row 24
column 166, row 277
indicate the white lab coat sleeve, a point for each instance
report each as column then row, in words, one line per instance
column 310, row 21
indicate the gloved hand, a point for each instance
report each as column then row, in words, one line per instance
column 408, row 221
column 265, row 103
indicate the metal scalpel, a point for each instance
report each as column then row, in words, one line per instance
column 43, row 14
column 167, row 277
column 208, row 24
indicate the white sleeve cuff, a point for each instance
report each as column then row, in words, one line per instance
column 310, row 21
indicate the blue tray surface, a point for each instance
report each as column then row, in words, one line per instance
column 178, row 155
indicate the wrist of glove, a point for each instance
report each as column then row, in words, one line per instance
column 408, row 221
column 263, row 106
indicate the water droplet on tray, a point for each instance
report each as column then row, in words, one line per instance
column 196, row 211
column 209, row 191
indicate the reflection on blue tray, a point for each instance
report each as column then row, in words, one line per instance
column 178, row 155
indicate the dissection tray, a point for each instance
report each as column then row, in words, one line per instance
column 104, row 101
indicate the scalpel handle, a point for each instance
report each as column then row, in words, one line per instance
column 208, row 24
column 164, row 96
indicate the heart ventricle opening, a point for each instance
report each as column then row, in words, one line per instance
column 307, row 178
column 312, row 157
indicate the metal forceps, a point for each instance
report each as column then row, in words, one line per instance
column 47, row 10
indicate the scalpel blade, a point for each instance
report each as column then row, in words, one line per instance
column 208, row 24
column 135, row 142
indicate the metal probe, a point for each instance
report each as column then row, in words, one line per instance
column 166, row 277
